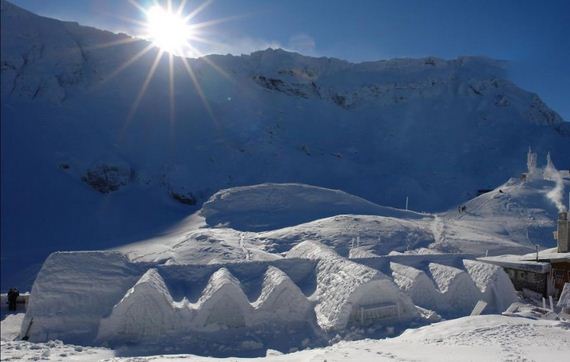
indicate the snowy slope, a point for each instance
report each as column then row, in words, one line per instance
column 512, row 218
column 82, row 171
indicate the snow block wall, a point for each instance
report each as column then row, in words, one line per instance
column 146, row 311
column 222, row 304
column 458, row 291
column 281, row 299
column 104, row 298
column 417, row 284
column 496, row 287
column 74, row 291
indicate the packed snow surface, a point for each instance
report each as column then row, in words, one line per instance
column 481, row 338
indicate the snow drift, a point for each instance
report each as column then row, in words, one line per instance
column 273, row 206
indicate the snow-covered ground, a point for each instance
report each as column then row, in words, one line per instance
column 271, row 218
column 219, row 285
column 482, row 338
column 262, row 222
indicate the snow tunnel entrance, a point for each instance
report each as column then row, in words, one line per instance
column 371, row 313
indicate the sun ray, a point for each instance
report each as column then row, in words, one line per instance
column 198, row 10
column 171, row 87
column 198, row 88
column 205, row 24
column 144, row 87
column 127, row 19
column 112, row 43
column 126, row 64
column 181, row 7
column 171, row 32
column 206, row 59
column 137, row 5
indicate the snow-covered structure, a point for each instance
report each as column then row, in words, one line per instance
column 348, row 292
column 544, row 272
column 458, row 291
column 105, row 298
column 281, row 299
column 147, row 311
column 496, row 288
column 417, row 284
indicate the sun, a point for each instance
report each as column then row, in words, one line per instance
column 167, row 29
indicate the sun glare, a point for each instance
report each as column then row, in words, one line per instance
column 167, row 29
column 172, row 32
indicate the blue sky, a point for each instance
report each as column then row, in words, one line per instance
column 533, row 35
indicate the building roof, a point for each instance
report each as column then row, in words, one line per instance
column 528, row 262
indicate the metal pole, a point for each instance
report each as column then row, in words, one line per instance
column 406, row 202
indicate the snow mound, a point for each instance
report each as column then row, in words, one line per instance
column 223, row 303
column 370, row 234
column 494, row 284
column 344, row 287
column 145, row 312
column 458, row 291
column 417, row 284
column 273, row 206
column 281, row 299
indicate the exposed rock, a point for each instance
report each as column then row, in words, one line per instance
column 187, row 198
column 107, row 178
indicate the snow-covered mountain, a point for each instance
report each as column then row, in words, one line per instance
column 82, row 170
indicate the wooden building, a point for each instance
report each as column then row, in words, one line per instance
column 544, row 272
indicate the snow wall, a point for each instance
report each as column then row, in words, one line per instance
column 103, row 298
column 449, row 284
